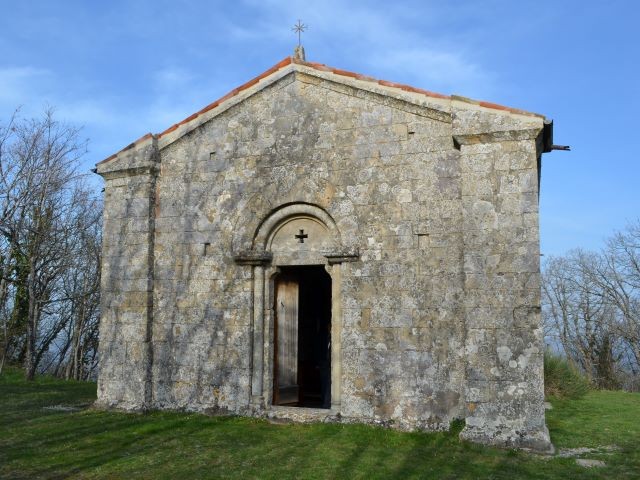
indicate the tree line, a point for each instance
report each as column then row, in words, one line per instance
column 591, row 309
column 50, row 247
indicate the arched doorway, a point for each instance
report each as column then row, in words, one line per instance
column 296, row 259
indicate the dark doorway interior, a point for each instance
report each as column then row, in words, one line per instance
column 302, row 375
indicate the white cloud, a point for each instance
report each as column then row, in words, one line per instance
column 90, row 112
column 175, row 92
column 18, row 83
column 171, row 78
column 436, row 69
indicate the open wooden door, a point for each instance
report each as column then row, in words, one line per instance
column 302, row 363
column 286, row 388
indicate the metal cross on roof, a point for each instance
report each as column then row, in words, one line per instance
column 299, row 28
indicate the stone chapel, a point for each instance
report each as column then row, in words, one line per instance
column 319, row 245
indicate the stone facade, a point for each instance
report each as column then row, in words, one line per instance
column 422, row 208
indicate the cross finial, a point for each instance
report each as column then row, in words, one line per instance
column 299, row 28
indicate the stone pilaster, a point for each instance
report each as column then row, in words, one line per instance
column 125, row 349
column 504, row 394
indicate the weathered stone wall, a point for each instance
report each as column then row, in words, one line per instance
column 440, row 314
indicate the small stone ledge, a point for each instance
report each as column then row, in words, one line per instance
column 536, row 441
column 150, row 169
column 579, row 451
column 125, row 407
column 495, row 137
column 590, row 463
column 343, row 256
column 67, row 408
column 302, row 415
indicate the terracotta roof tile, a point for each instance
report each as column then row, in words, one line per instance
column 493, row 105
column 318, row 66
column 345, row 73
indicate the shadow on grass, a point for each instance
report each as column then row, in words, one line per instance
column 42, row 444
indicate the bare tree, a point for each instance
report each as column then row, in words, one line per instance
column 591, row 306
column 619, row 278
column 69, row 331
column 580, row 319
column 47, row 218
column 81, row 285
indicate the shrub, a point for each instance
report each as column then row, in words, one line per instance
column 563, row 379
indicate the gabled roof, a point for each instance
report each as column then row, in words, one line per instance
column 290, row 63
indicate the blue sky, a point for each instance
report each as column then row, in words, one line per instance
column 124, row 68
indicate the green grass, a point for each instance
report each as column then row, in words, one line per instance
column 41, row 443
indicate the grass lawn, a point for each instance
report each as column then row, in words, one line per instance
column 38, row 442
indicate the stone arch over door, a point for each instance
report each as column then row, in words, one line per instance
column 295, row 234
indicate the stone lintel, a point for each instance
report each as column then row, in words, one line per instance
column 264, row 258
column 254, row 258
